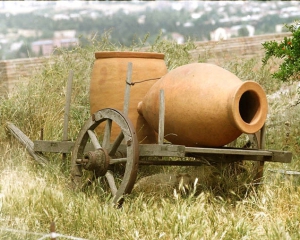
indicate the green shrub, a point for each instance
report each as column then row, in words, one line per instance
column 289, row 51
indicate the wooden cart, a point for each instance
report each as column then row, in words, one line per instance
column 105, row 157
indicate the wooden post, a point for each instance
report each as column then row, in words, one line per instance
column 27, row 143
column 67, row 109
column 263, row 137
column 109, row 175
column 120, row 137
column 127, row 89
column 161, row 123
column 52, row 231
column 261, row 164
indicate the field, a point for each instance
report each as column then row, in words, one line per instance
column 33, row 196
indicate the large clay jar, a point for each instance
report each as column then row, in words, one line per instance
column 108, row 82
column 205, row 105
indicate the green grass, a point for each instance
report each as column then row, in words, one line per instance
column 32, row 196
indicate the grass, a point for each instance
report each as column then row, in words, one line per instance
column 32, row 196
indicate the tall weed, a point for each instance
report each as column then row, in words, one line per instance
column 33, row 196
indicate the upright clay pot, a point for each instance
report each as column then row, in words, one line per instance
column 108, row 82
column 205, row 105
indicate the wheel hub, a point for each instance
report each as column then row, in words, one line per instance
column 97, row 161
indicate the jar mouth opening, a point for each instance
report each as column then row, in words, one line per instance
column 128, row 54
column 250, row 107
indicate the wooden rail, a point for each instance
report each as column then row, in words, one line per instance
column 167, row 150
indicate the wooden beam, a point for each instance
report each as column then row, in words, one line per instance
column 67, row 110
column 67, row 106
column 163, row 150
column 57, row 146
column 161, row 122
column 229, row 151
column 27, row 143
column 169, row 150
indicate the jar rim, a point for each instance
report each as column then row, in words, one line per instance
column 128, row 54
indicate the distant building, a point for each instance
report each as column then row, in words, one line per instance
column 29, row 33
column 279, row 28
column 58, row 17
column 226, row 33
column 220, row 34
column 177, row 37
column 65, row 34
column 250, row 29
column 43, row 47
column 61, row 39
column 16, row 46
column 65, row 42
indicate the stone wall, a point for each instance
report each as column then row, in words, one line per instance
column 12, row 71
column 242, row 47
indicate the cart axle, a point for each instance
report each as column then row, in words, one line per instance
column 97, row 161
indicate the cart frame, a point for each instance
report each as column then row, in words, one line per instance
column 98, row 158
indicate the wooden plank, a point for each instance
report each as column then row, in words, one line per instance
column 168, row 150
column 161, row 123
column 175, row 162
column 228, row 151
column 64, row 146
column 127, row 89
column 67, row 110
column 67, row 106
column 244, row 154
column 57, row 146
column 164, row 150
column 27, row 143
column 53, row 146
column 281, row 156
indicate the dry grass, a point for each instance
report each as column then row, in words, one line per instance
column 225, row 207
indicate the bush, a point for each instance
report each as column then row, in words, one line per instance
column 289, row 51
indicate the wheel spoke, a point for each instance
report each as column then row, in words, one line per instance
column 107, row 131
column 116, row 144
column 94, row 139
column 111, row 182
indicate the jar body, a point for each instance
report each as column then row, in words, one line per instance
column 108, row 82
column 205, row 106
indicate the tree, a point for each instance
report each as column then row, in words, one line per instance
column 243, row 32
column 288, row 50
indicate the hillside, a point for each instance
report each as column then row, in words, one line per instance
column 34, row 28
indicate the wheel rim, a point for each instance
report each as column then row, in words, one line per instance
column 105, row 152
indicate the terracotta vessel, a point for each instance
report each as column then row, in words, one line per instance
column 107, row 86
column 205, row 105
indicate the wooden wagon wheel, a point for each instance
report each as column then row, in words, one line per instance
column 103, row 157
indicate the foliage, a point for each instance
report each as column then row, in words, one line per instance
column 243, row 32
column 30, row 103
column 37, row 196
column 31, row 196
column 289, row 51
column 175, row 54
column 125, row 27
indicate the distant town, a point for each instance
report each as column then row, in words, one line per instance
column 36, row 28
